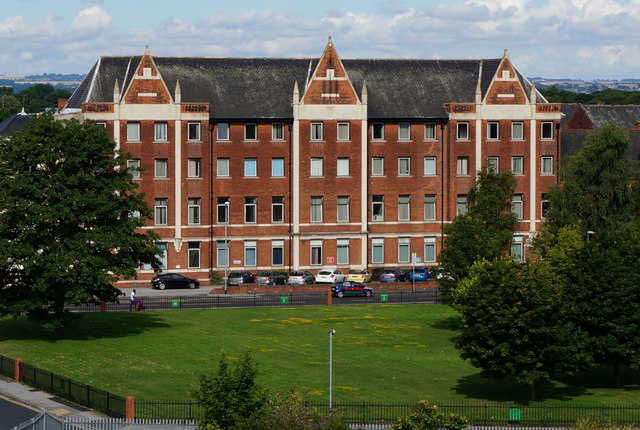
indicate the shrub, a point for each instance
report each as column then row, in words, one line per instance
column 425, row 416
column 592, row 423
column 216, row 278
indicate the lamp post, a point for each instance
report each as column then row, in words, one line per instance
column 589, row 234
column 226, row 244
column 331, row 333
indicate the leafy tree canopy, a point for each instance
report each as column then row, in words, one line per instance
column 609, row 96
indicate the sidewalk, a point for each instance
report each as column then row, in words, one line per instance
column 38, row 400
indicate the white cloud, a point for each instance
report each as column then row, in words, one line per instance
column 91, row 20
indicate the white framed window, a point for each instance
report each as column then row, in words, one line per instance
column 163, row 247
column 316, row 167
column 222, row 208
column 250, row 167
column 342, row 251
column 161, row 167
column 462, row 131
column 461, row 204
column 193, row 131
column 377, row 208
column 546, row 130
column 250, row 132
column 546, row 165
column 223, row 131
column 133, row 132
column 493, row 164
column 277, row 167
column 404, row 207
column 429, row 249
column 160, row 131
column 222, row 253
column 377, row 131
column 343, row 131
column 316, row 252
column 277, row 209
column 516, row 205
column 377, row 166
column 544, row 205
column 250, row 210
column 316, row 131
column 430, row 166
column 250, row 252
column 404, row 249
column 194, row 168
column 404, row 166
column 343, row 166
column 343, row 208
column 430, row 131
column 377, row 250
column 160, row 211
column 277, row 131
column 430, row 207
column 193, row 210
column 277, row 252
column 193, row 255
column 493, row 130
column 462, row 168
column 133, row 166
column 517, row 130
column 102, row 124
column 517, row 165
column 404, row 131
column 222, row 167
column 516, row 248
column 316, row 208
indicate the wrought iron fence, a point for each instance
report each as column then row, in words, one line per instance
column 7, row 366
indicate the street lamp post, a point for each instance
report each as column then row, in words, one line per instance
column 226, row 245
column 331, row 333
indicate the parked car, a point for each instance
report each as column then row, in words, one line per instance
column 392, row 275
column 419, row 274
column 238, row 278
column 348, row 288
column 329, row 276
column 300, row 277
column 173, row 280
column 271, row 278
column 357, row 275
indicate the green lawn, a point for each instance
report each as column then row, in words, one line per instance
column 381, row 353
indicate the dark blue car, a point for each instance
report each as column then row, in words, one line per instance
column 349, row 288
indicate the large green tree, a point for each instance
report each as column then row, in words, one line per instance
column 69, row 220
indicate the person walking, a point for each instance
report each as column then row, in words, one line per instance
column 132, row 299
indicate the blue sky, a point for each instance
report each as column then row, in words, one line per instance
column 580, row 39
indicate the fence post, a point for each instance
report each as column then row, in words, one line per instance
column 103, row 306
column 17, row 370
column 130, row 408
column 329, row 298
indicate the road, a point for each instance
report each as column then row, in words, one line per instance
column 12, row 414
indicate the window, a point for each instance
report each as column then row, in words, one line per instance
column 343, row 167
column 316, row 252
column 133, row 132
column 377, row 166
column 316, row 167
column 517, row 165
column 250, row 252
column 193, row 209
column 133, row 166
column 250, row 167
column 193, row 130
column 429, row 249
column 516, row 205
column 377, row 131
column 316, row 209
column 377, row 250
column 516, row 249
column 430, row 166
column 161, row 168
column 162, row 246
column 544, row 206
column 223, row 210
column 343, row 131
column 517, row 131
column 463, row 131
column 546, row 166
column 404, row 249
column 493, row 130
column 342, row 248
column 404, row 208
column 343, row 208
column 430, row 131
column 463, row 166
column 223, row 131
column 316, row 131
column 430, row 207
column 193, row 255
column 277, row 209
column 547, row 130
column 250, row 209
column 193, row 168
column 461, row 204
column 404, row 131
column 277, row 131
column 160, row 132
column 493, row 164
column 102, row 124
column 160, row 211
column 277, row 167
column 222, row 248
column 277, row 252
column 250, row 132
column 377, row 212
column 404, row 166
column 222, row 166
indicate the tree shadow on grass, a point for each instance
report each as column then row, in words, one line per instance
column 85, row 326
column 451, row 323
column 602, row 377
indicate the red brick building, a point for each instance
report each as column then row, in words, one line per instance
column 261, row 163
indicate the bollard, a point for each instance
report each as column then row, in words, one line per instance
column 329, row 298
column 130, row 408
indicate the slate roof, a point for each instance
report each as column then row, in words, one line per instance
column 238, row 88
column 14, row 123
column 626, row 116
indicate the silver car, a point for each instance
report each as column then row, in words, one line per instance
column 300, row 277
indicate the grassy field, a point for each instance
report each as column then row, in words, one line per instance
column 381, row 353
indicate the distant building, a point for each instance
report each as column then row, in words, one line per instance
column 14, row 123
